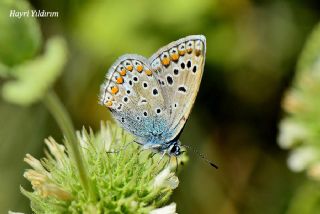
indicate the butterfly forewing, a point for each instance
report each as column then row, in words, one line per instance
column 134, row 97
column 178, row 69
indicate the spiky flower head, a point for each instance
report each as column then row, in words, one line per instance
column 125, row 179
column 299, row 130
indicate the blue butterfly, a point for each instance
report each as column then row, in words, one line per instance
column 152, row 98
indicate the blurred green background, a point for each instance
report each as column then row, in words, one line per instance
column 252, row 51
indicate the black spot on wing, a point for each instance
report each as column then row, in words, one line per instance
column 189, row 64
column 169, row 80
column 182, row 89
column 194, row 69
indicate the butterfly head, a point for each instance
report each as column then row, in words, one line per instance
column 175, row 148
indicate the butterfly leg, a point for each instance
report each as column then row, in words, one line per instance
column 124, row 147
column 165, row 165
column 150, row 146
column 162, row 156
column 177, row 164
column 147, row 147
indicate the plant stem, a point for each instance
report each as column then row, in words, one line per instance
column 58, row 111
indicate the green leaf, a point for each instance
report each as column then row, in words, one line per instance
column 306, row 200
column 4, row 70
column 20, row 38
column 35, row 77
column 310, row 56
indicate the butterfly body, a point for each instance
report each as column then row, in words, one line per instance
column 152, row 98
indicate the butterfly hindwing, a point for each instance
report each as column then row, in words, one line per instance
column 179, row 68
column 134, row 97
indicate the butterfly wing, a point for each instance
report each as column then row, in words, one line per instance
column 133, row 95
column 178, row 68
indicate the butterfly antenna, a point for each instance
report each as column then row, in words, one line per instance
column 201, row 155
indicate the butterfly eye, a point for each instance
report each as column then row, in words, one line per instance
column 165, row 60
column 174, row 55
column 190, row 46
column 182, row 49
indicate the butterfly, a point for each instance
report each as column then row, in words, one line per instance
column 152, row 98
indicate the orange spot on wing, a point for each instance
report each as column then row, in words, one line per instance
column 148, row 72
column 165, row 61
column 189, row 50
column 175, row 57
column 108, row 104
column 123, row 72
column 198, row 52
column 114, row 89
column 139, row 68
column 182, row 52
column 119, row 80
column 129, row 67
